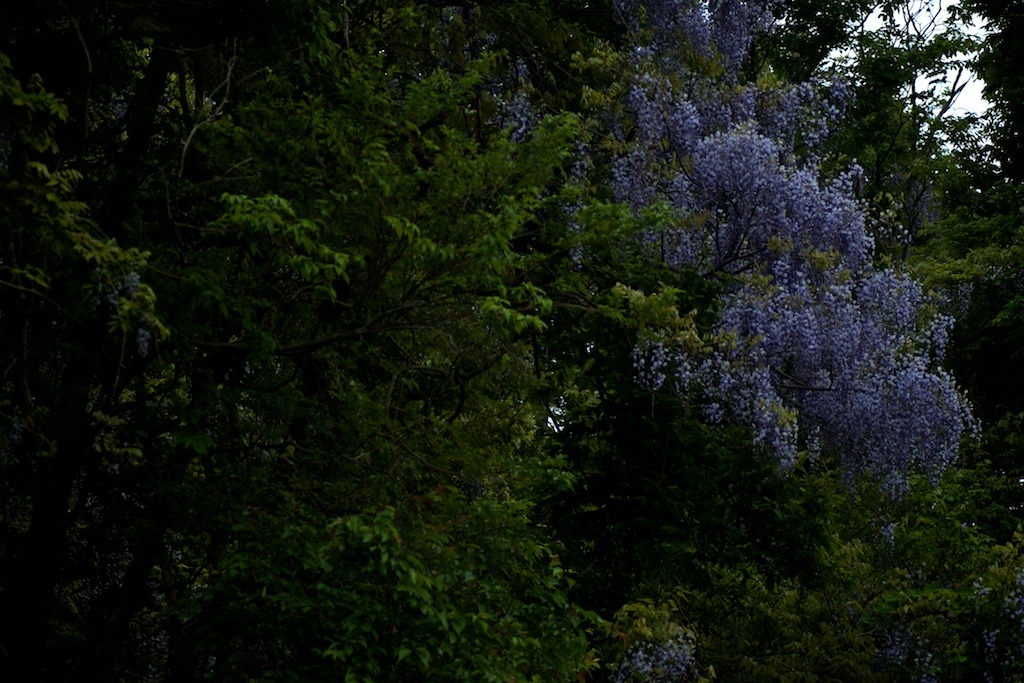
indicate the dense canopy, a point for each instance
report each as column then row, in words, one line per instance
column 509, row 341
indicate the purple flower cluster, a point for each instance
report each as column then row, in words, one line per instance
column 852, row 356
column 669, row 661
column 515, row 110
column 1014, row 603
column 742, row 390
column 719, row 31
column 652, row 364
column 818, row 349
column 517, row 115
column 1003, row 638
column 126, row 288
column 143, row 337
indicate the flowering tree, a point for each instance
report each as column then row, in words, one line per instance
column 817, row 348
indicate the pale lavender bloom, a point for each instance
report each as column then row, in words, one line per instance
column 142, row 340
column 831, row 352
column 671, row 661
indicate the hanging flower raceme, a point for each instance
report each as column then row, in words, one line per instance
column 816, row 347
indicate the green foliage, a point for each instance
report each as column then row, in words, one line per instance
column 902, row 117
column 421, row 593
column 878, row 602
column 276, row 335
column 972, row 256
column 997, row 65
column 811, row 31
column 310, row 372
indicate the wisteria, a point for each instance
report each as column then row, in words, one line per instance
column 1000, row 604
column 652, row 363
column 515, row 110
column 816, row 347
column 669, row 661
column 1014, row 603
column 716, row 29
column 143, row 337
column 126, row 289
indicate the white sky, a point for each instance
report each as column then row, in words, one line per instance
column 934, row 14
